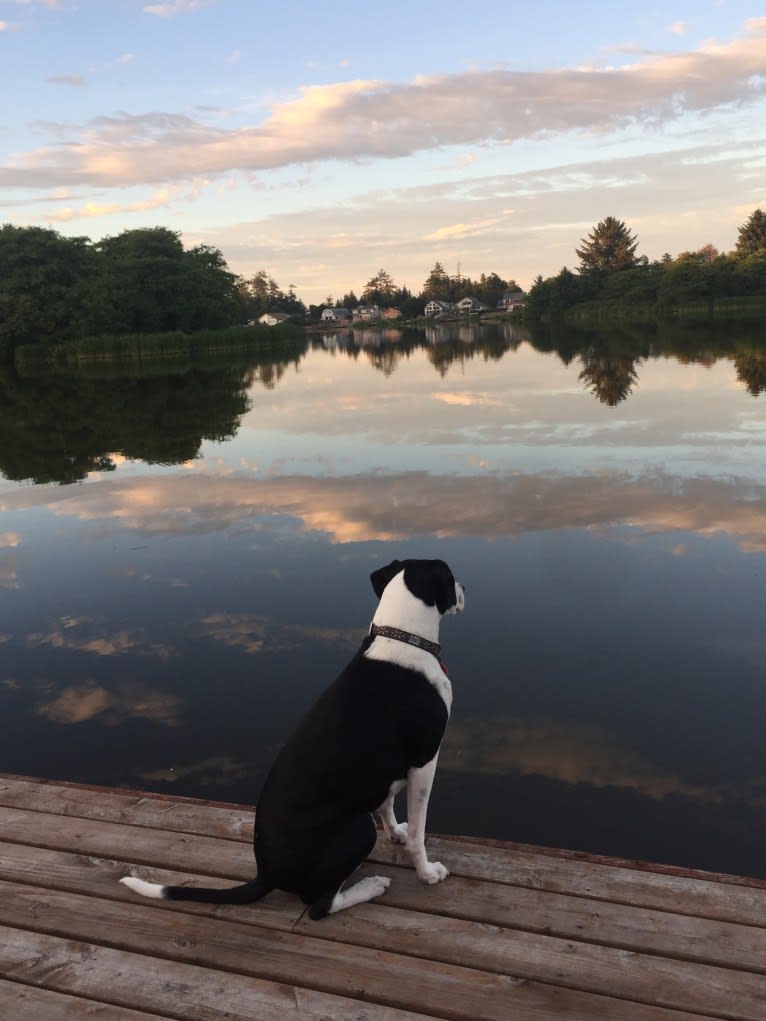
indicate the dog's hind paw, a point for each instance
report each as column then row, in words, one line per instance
column 432, row 872
column 374, row 886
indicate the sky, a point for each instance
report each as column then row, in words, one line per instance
column 325, row 141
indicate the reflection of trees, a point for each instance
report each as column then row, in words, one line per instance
column 384, row 358
column 444, row 344
column 751, row 370
column 610, row 377
column 60, row 427
column 267, row 375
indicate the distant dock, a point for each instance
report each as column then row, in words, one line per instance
column 515, row 934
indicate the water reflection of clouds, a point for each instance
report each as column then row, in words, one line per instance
column 471, row 399
column 401, row 505
column 9, row 572
column 68, row 634
column 79, row 703
column 571, row 753
column 214, row 771
column 253, row 633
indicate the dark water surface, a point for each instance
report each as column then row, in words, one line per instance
column 184, row 562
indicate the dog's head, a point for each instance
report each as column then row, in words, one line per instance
column 430, row 581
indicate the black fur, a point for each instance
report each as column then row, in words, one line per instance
column 378, row 720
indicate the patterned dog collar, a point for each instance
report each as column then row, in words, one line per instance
column 405, row 636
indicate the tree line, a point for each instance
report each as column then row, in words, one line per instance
column 54, row 290
column 612, row 278
column 262, row 293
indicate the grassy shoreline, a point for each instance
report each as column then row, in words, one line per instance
column 176, row 345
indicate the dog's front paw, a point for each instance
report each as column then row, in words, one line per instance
column 432, row 872
column 398, row 834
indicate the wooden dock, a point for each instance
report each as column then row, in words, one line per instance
column 515, row 934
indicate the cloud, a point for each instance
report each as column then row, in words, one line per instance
column 162, row 198
column 458, row 231
column 67, row 79
column 9, row 539
column 572, row 753
column 469, row 400
column 679, row 27
column 253, row 633
column 363, row 118
column 68, row 634
column 9, row 572
column 389, row 506
column 81, row 702
column 214, row 771
column 170, row 10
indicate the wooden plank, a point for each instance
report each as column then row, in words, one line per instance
column 205, row 857
column 730, row 902
column 706, row 898
column 663, row 933
column 489, row 904
column 202, row 855
column 174, row 989
column 129, row 807
column 75, row 873
column 632, row 976
column 27, row 1003
column 445, row 991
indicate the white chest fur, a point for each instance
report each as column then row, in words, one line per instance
column 389, row 650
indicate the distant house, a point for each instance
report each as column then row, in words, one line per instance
column 391, row 313
column 511, row 300
column 469, row 305
column 335, row 315
column 367, row 312
column 437, row 308
column 273, row 318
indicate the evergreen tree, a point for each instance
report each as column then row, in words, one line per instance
column 752, row 236
column 379, row 290
column 609, row 247
column 437, row 286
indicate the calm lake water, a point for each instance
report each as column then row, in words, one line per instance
column 184, row 562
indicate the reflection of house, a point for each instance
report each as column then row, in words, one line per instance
column 511, row 300
column 367, row 312
column 335, row 315
column 273, row 318
column 469, row 305
column 437, row 308
column 391, row 313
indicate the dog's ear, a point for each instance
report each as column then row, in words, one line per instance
column 432, row 582
column 383, row 576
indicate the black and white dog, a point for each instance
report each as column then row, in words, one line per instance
column 374, row 731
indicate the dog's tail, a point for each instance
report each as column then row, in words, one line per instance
column 244, row 894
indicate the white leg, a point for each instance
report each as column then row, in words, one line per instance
column 419, row 783
column 359, row 893
column 395, row 831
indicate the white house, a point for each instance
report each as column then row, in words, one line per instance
column 468, row 305
column 437, row 308
column 335, row 315
column 367, row 312
column 273, row 318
